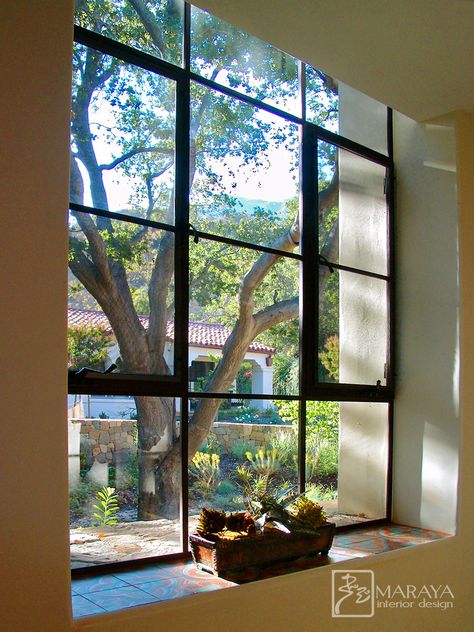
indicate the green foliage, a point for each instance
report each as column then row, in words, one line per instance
column 211, row 445
column 286, row 445
column 330, row 357
column 319, row 493
column 106, row 506
column 321, row 417
column 243, row 379
column 87, row 347
column 285, row 374
column 205, row 468
column 240, row 449
column 79, row 496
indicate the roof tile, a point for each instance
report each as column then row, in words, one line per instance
column 200, row 334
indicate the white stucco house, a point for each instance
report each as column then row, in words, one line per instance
column 206, row 342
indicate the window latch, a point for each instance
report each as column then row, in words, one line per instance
column 84, row 372
column 194, row 232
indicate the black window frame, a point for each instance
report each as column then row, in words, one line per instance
column 176, row 385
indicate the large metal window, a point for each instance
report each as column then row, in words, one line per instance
column 183, row 278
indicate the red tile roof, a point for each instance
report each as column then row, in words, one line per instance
column 200, row 334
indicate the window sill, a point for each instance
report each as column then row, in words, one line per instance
column 173, row 580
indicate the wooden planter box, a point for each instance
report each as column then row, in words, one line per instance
column 220, row 556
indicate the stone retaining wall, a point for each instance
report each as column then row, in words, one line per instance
column 255, row 435
column 112, row 440
column 107, row 440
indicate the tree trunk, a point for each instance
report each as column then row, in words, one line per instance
column 158, row 464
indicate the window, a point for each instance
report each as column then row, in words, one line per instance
column 230, row 278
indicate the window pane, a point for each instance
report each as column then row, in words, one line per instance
column 122, row 137
column 241, row 441
column 262, row 363
column 225, row 54
column 352, row 328
column 122, row 442
column 244, row 169
column 153, row 27
column 352, row 210
column 362, row 119
column 112, row 301
column 322, row 99
column 347, row 459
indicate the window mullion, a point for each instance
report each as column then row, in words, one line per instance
column 308, row 271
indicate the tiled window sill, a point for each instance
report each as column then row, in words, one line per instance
column 172, row 580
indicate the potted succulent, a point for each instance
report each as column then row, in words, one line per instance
column 225, row 542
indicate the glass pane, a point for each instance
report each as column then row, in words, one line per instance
column 112, row 300
column 322, row 99
column 362, row 119
column 122, row 137
column 352, row 328
column 352, row 210
column 132, row 446
column 262, row 354
column 244, row 169
column 233, row 446
column 347, row 459
column 153, row 27
column 225, row 54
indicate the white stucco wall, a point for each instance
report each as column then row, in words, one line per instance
column 426, row 428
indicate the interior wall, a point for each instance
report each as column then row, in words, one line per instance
column 35, row 47
column 35, row 52
column 426, row 424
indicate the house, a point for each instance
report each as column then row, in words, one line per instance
column 206, row 341
column 415, row 56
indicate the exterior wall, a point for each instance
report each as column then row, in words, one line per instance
column 34, row 495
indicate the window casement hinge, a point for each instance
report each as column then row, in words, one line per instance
column 386, row 183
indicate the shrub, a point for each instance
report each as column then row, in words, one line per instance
column 286, row 445
column 206, row 470
column 240, row 449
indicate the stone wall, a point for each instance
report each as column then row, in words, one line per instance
column 112, row 440
column 255, row 435
column 107, row 440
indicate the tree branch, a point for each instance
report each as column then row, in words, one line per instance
column 134, row 152
column 151, row 25
column 275, row 314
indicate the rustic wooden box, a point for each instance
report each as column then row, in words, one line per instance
column 220, row 556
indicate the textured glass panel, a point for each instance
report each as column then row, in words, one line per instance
column 121, row 442
column 152, row 27
column 122, row 137
column 352, row 210
column 244, row 170
column 232, row 296
column 352, row 328
column 362, row 119
column 223, row 53
column 347, row 459
column 112, row 299
column 241, row 447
